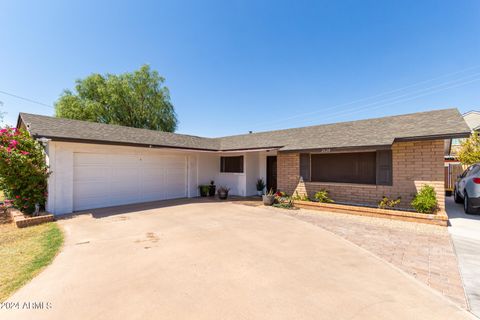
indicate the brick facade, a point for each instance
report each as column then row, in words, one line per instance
column 414, row 164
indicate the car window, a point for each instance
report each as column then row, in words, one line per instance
column 473, row 170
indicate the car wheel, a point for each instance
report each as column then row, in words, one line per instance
column 466, row 205
column 456, row 197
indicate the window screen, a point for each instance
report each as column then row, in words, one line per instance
column 305, row 166
column 384, row 167
column 358, row 167
column 231, row 164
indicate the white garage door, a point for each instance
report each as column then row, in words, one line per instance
column 102, row 180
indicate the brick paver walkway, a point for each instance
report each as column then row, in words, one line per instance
column 423, row 251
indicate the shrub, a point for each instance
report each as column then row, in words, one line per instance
column 303, row 197
column 425, row 201
column 387, row 203
column 23, row 171
column 323, row 196
column 283, row 200
column 260, row 184
column 204, row 189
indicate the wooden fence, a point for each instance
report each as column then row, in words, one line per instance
column 452, row 170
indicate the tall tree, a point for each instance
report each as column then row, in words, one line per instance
column 137, row 99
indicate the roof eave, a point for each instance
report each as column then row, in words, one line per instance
column 119, row 143
column 435, row 136
column 19, row 121
column 339, row 149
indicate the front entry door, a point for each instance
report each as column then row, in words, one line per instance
column 272, row 173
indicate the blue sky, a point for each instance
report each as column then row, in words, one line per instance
column 235, row 66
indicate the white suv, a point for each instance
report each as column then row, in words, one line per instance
column 467, row 189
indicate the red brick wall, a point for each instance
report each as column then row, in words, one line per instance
column 414, row 164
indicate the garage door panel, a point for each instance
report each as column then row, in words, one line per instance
column 174, row 161
column 153, row 196
column 92, row 174
column 149, row 174
column 89, row 190
column 152, row 160
column 124, row 175
column 153, row 184
column 122, row 188
column 177, row 184
column 90, row 204
column 119, row 199
column 88, row 159
column 175, row 194
column 102, row 180
column 176, row 171
column 124, row 159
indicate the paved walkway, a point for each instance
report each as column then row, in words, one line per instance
column 423, row 251
column 219, row 261
column 465, row 231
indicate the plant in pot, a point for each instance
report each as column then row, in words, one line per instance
column 223, row 192
column 260, row 186
column 268, row 198
column 204, row 189
column 211, row 189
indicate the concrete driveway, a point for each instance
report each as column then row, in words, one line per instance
column 465, row 231
column 218, row 261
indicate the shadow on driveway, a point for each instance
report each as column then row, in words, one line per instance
column 145, row 206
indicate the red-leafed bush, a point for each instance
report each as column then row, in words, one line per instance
column 23, row 171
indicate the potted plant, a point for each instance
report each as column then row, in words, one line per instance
column 223, row 192
column 211, row 189
column 204, row 189
column 268, row 198
column 260, row 186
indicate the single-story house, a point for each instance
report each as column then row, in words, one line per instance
column 98, row 165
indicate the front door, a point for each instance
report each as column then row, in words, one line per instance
column 272, row 173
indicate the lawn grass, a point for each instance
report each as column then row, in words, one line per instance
column 24, row 253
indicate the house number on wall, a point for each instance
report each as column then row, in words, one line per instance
column 324, row 150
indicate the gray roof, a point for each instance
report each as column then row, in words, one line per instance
column 67, row 129
column 438, row 124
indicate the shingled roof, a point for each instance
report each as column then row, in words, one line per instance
column 438, row 124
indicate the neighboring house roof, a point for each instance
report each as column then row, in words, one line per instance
column 472, row 118
column 438, row 124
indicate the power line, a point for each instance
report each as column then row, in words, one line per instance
column 396, row 100
column 26, row 99
column 300, row 115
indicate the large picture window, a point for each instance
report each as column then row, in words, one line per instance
column 358, row 167
column 231, row 164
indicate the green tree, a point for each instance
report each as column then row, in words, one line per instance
column 469, row 152
column 137, row 99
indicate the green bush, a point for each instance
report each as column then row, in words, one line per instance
column 23, row 171
column 302, row 197
column 260, row 184
column 204, row 189
column 284, row 202
column 323, row 196
column 387, row 203
column 425, row 201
